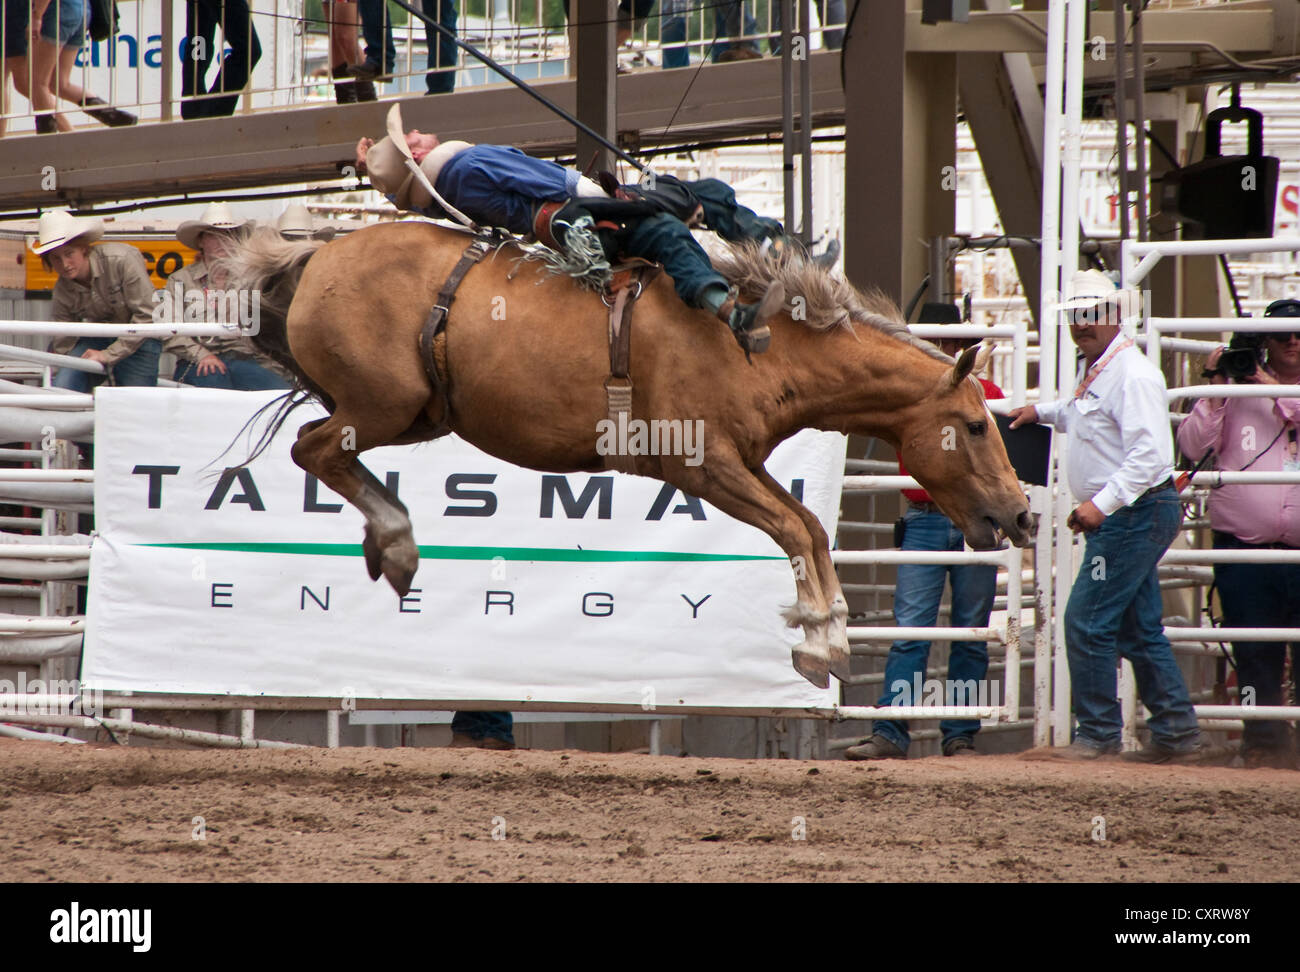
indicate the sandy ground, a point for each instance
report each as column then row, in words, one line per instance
column 98, row 813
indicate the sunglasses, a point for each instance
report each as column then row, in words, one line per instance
column 1282, row 337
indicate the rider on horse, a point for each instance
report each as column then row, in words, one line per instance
column 498, row 185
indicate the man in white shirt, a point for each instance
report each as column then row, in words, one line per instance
column 1120, row 471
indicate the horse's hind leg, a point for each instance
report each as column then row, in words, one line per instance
column 837, row 631
column 328, row 449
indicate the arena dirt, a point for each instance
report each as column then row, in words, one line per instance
column 92, row 813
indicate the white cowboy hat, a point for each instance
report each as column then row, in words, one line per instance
column 1090, row 288
column 296, row 222
column 216, row 217
column 386, row 164
column 60, row 227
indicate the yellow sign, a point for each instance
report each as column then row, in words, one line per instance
column 162, row 257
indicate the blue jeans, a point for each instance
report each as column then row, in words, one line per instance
column 1114, row 611
column 665, row 239
column 1260, row 596
column 140, row 368
column 497, row 725
column 916, row 605
column 442, row 49
column 241, row 375
column 201, row 20
column 726, row 23
column 726, row 217
column 377, row 32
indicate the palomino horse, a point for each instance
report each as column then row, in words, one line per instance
column 529, row 389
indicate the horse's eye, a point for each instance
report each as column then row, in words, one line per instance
column 976, row 428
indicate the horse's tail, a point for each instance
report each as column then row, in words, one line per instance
column 270, row 266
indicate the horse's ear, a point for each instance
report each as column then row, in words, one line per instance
column 964, row 366
column 982, row 358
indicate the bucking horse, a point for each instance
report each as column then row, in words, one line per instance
column 524, row 357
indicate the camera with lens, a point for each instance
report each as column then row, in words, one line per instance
column 1244, row 354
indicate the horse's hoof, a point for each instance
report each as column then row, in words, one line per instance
column 374, row 557
column 841, row 656
column 815, row 668
column 841, row 662
column 400, row 561
column 399, row 578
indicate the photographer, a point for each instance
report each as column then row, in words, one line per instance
column 1259, row 434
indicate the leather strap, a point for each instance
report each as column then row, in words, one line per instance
column 627, row 287
column 620, row 332
column 436, row 322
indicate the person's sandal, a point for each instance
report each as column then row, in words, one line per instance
column 112, row 117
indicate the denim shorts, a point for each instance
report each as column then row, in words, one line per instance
column 68, row 17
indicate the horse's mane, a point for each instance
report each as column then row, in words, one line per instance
column 828, row 302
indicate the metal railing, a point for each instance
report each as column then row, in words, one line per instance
column 291, row 50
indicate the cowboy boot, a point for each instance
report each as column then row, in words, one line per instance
column 45, row 124
column 748, row 322
column 345, row 92
column 113, row 117
column 825, row 260
column 366, row 91
column 828, row 257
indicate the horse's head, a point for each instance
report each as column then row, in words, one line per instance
column 950, row 443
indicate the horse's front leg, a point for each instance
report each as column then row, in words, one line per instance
column 325, row 448
column 389, row 542
column 739, row 492
column 837, row 627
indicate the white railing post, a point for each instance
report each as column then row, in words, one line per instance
column 1011, row 671
column 1127, row 692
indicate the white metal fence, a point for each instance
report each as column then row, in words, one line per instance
column 139, row 68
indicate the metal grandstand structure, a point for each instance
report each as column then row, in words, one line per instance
column 890, row 114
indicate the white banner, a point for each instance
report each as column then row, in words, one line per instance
column 581, row 588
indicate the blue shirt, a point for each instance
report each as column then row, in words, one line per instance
column 498, row 185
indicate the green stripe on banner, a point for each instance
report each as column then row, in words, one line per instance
column 435, row 552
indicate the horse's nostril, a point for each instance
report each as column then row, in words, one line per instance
column 1024, row 520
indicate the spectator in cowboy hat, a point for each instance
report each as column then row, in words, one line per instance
column 1120, row 471
column 296, row 223
column 106, row 283
column 223, row 361
column 1259, row 434
column 916, row 605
